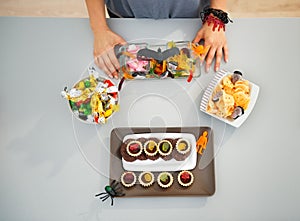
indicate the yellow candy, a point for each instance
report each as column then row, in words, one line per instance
column 93, row 81
column 116, row 107
column 151, row 146
column 147, row 177
column 181, row 146
column 108, row 113
column 81, row 85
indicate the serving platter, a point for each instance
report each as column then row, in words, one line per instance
column 204, row 179
column 161, row 165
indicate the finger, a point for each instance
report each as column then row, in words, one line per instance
column 96, row 61
column 198, row 36
column 225, row 51
column 122, row 42
column 115, row 62
column 108, row 63
column 115, row 75
column 219, row 54
column 209, row 58
column 102, row 66
column 206, row 50
column 112, row 56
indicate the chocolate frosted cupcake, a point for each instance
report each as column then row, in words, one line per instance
column 124, row 153
column 146, row 179
column 142, row 140
column 128, row 140
column 150, row 147
column 142, row 156
column 165, row 179
column 128, row 179
column 134, row 148
column 165, row 148
column 182, row 149
column 183, row 146
column 185, row 178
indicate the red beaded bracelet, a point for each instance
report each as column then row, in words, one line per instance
column 217, row 22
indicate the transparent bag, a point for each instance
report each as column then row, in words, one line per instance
column 159, row 61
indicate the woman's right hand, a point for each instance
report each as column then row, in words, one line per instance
column 104, row 55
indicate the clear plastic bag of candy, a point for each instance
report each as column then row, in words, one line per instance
column 92, row 99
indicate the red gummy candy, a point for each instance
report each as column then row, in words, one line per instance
column 185, row 177
column 190, row 77
column 134, row 148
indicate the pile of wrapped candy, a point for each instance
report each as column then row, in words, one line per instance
column 93, row 99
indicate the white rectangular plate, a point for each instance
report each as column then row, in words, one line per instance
column 208, row 92
column 162, row 165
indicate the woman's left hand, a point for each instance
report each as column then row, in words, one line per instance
column 216, row 42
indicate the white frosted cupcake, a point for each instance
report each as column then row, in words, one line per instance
column 146, row 179
column 183, row 146
column 165, row 179
column 185, row 178
column 134, row 148
column 128, row 179
column 165, row 147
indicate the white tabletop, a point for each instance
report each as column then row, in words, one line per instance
column 52, row 165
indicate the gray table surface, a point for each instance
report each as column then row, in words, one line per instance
column 51, row 165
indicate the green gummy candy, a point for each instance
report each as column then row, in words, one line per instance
column 164, row 177
column 87, row 83
column 165, row 147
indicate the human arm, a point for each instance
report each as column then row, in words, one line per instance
column 104, row 38
column 214, row 39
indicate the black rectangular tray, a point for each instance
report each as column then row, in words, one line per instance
column 204, row 179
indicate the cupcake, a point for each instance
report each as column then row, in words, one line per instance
column 181, row 150
column 134, row 148
column 128, row 141
column 165, row 179
column 146, row 179
column 183, row 146
column 124, row 153
column 142, row 140
column 150, row 148
column 128, row 179
column 142, row 156
column 165, row 147
column 185, row 178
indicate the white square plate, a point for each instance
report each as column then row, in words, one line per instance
column 254, row 91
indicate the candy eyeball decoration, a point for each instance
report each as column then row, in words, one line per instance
column 93, row 99
column 237, row 112
column 237, row 75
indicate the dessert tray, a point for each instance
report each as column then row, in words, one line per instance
column 203, row 179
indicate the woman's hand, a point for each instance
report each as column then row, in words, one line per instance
column 216, row 42
column 105, row 58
